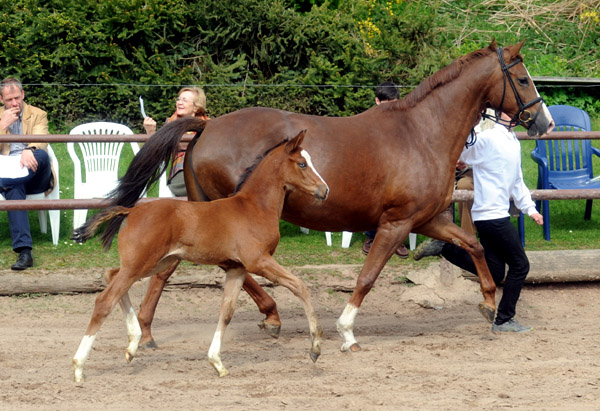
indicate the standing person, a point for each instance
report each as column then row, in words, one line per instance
column 17, row 117
column 496, row 160
column 384, row 93
column 190, row 102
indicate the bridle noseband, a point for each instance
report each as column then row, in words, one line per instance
column 523, row 117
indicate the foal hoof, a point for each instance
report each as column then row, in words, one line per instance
column 272, row 330
column 314, row 356
column 488, row 312
column 353, row 348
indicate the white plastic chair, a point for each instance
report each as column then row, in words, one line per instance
column 54, row 195
column 347, row 237
column 163, row 190
column 101, row 163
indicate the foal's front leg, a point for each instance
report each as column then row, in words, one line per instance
column 269, row 268
column 231, row 290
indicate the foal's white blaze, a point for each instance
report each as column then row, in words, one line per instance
column 310, row 164
column 345, row 326
column 83, row 352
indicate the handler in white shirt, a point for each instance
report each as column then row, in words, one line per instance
column 496, row 160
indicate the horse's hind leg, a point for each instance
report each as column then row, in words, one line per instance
column 149, row 303
column 266, row 305
column 441, row 228
column 231, row 290
column 271, row 270
column 105, row 302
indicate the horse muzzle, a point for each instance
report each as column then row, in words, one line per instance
column 321, row 192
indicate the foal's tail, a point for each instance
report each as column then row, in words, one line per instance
column 145, row 169
column 114, row 215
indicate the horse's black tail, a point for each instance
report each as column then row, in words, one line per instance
column 114, row 215
column 151, row 161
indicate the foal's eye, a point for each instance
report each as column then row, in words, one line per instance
column 523, row 81
column 302, row 165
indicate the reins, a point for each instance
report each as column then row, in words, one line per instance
column 523, row 117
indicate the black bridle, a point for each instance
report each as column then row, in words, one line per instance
column 523, row 117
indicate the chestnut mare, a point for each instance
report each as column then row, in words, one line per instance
column 239, row 234
column 390, row 168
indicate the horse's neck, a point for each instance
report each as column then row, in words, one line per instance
column 452, row 109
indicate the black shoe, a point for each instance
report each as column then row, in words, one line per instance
column 24, row 261
column 367, row 245
column 428, row 248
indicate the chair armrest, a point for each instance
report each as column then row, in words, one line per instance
column 542, row 163
column 596, row 151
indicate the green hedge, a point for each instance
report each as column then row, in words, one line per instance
column 86, row 60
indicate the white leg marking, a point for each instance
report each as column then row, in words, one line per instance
column 82, row 354
column 134, row 332
column 345, row 326
column 214, row 354
column 310, row 164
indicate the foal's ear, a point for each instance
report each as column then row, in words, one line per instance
column 493, row 46
column 295, row 142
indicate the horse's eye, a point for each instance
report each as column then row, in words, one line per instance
column 302, row 165
column 523, row 81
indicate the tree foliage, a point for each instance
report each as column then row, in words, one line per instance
column 86, row 60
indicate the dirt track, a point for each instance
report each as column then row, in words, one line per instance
column 443, row 357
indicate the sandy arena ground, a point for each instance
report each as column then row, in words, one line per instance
column 425, row 347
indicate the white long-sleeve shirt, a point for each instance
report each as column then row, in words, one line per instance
column 497, row 174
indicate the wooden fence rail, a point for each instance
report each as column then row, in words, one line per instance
column 71, row 204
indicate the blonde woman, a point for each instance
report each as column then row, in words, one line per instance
column 190, row 102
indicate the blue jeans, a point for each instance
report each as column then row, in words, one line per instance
column 502, row 246
column 17, row 189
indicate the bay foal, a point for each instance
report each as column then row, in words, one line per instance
column 239, row 234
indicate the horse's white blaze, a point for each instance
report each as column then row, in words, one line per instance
column 345, row 326
column 310, row 164
column 544, row 107
column 82, row 354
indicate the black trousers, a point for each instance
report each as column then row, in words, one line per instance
column 502, row 246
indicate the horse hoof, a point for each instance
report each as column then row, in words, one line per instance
column 314, row 356
column 355, row 347
column 488, row 312
column 149, row 344
column 128, row 357
column 272, row 330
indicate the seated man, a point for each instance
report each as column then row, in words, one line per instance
column 17, row 117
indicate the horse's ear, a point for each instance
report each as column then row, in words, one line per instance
column 493, row 46
column 515, row 50
column 295, row 142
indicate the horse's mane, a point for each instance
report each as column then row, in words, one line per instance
column 438, row 79
column 257, row 161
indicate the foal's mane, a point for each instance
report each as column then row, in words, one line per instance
column 257, row 161
column 440, row 78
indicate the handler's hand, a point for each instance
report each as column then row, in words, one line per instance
column 28, row 160
column 538, row 218
column 149, row 125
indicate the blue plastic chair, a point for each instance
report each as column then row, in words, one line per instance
column 564, row 164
